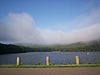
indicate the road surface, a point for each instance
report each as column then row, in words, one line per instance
column 50, row 71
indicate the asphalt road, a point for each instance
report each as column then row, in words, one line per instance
column 50, row 71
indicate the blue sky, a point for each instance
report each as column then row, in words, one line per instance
column 54, row 15
column 48, row 13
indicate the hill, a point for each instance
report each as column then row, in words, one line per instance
column 75, row 47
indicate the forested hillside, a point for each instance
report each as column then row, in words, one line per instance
column 75, row 47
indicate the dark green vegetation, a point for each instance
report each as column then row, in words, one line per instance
column 49, row 66
column 7, row 49
column 75, row 47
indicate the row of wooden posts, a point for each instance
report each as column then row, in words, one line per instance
column 48, row 60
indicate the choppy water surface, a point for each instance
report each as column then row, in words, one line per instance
column 55, row 57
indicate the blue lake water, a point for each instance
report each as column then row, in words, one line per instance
column 55, row 57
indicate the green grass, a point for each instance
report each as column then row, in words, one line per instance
column 50, row 66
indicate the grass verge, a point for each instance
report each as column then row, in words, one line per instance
column 50, row 66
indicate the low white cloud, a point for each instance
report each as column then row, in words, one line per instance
column 60, row 37
column 20, row 28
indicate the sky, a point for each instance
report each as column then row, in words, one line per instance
column 49, row 21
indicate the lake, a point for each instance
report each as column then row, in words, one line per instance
column 55, row 57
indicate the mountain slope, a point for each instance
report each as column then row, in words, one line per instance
column 75, row 47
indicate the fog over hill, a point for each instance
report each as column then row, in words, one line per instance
column 75, row 47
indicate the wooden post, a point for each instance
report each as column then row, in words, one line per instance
column 18, row 61
column 77, row 60
column 47, row 60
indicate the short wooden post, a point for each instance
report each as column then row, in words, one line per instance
column 47, row 60
column 18, row 61
column 77, row 60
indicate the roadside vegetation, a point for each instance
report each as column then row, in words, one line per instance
column 49, row 66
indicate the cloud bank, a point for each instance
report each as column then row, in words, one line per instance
column 81, row 35
column 21, row 28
